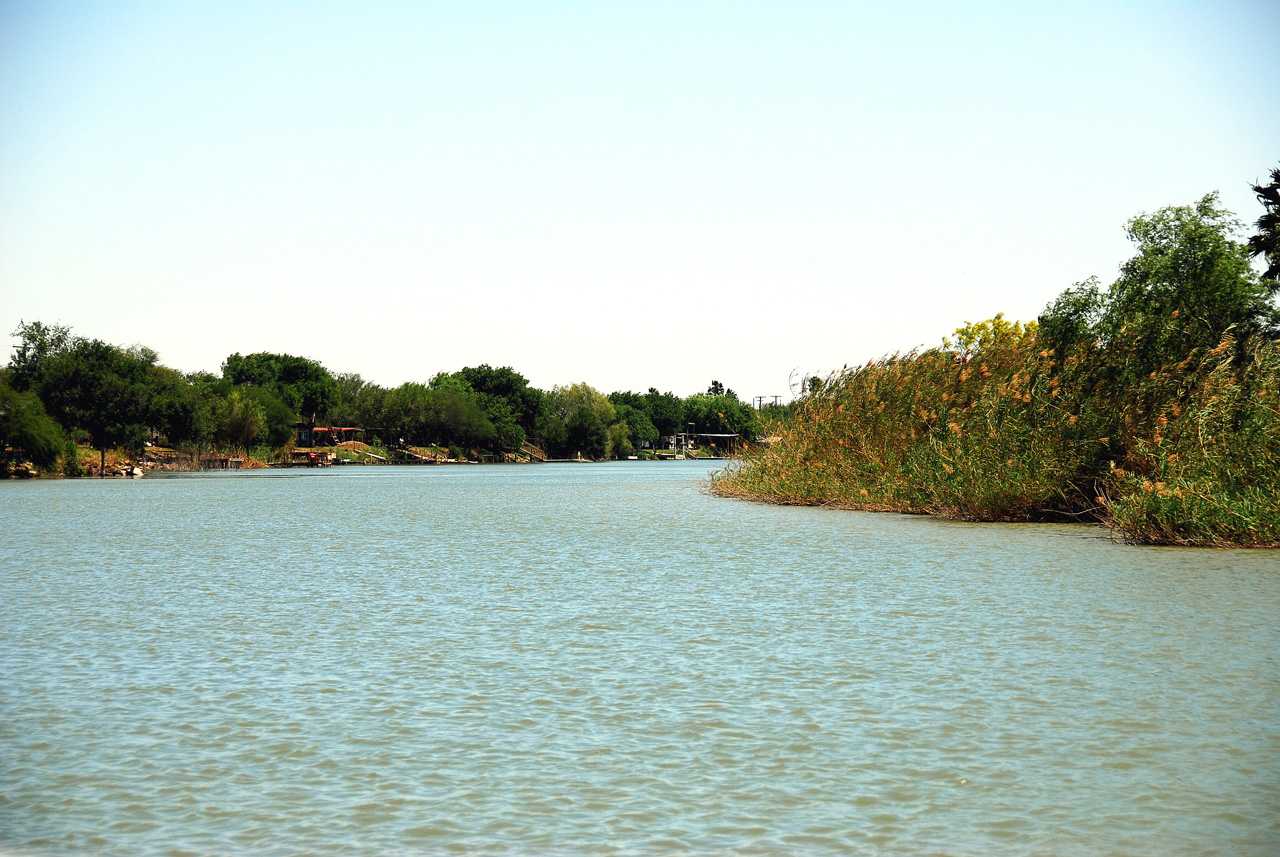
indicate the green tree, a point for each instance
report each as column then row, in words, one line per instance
column 278, row 418
column 722, row 415
column 587, row 434
column 178, row 409
column 566, row 401
column 640, row 429
column 454, row 381
column 243, row 421
column 525, row 403
column 620, row 441
column 508, row 433
column 103, row 390
column 462, row 420
column 209, row 393
column 369, row 407
column 1266, row 242
column 1073, row 317
column 633, row 400
column 26, row 431
column 553, row 434
column 40, row 343
column 424, row 415
column 506, row 398
column 345, row 411
column 666, row 412
column 406, row 414
column 304, row 385
column 1189, row 282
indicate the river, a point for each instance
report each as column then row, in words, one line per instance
column 603, row 659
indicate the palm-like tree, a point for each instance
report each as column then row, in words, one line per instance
column 1267, row 242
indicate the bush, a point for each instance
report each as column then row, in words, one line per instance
column 71, row 460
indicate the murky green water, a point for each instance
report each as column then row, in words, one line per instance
column 570, row 659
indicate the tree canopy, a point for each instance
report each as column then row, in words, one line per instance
column 1189, row 282
column 39, row 344
column 304, row 385
column 102, row 390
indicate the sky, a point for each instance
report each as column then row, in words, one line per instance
column 632, row 195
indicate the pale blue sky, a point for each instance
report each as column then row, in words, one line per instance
column 623, row 194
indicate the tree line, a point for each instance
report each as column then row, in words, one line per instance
column 60, row 388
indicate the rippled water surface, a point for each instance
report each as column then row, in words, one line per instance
column 570, row 659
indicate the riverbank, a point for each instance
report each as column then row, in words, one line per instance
column 121, row 463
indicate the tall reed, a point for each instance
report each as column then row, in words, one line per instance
column 998, row 428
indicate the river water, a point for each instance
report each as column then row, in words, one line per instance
column 602, row 659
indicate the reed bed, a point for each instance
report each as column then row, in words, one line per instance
column 1003, row 429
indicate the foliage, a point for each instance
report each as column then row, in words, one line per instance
column 1071, row 320
column 71, row 460
column 1188, row 284
column 278, row 418
column 584, row 415
column 102, row 389
column 303, row 385
column 510, row 407
column 586, row 434
column 179, row 411
column 1266, row 242
column 525, row 403
column 640, row 431
column 423, row 415
column 721, row 415
column 369, row 406
column 350, row 389
column 243, row 421
column 26, row 431
column 665, row 411
column 450, row 381
column 989, row 335
column 620, row 445
column 553, row 434
column 40, row 343
column 566, row 401
column 508, row 434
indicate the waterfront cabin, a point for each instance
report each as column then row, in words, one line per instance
column 719, row 443
column 309, row 435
